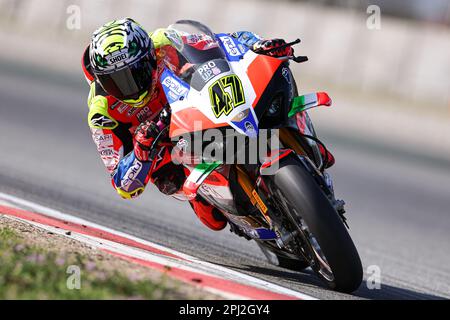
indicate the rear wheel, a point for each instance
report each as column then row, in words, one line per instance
column 332, row 254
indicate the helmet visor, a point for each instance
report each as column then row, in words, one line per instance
column 129, row 82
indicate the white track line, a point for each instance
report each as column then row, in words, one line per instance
column 204, row 266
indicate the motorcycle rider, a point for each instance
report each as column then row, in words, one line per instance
column 123, row 65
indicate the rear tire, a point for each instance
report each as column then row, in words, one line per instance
column 303, row 194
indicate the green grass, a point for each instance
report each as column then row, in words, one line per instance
column 32, row 272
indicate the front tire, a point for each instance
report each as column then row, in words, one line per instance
column 310, row 205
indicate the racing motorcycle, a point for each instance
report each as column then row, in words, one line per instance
column 283, row 200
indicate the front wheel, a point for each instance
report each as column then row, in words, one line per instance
column 278, row 258
column 333, row 254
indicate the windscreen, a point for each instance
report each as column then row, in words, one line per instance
column 198, row 57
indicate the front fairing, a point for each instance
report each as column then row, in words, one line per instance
column 217, row 82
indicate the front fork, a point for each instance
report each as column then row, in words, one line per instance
column 258, row 193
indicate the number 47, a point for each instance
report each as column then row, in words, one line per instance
column 226, row 94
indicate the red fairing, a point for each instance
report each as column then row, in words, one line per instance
column 323, row 99
column 209, row 215
column 330, row 160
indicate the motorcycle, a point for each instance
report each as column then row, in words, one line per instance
column 284, row 200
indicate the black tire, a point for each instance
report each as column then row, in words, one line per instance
column 282, row 261
column 301, row 191
column 292, row 264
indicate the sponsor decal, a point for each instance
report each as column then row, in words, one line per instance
column 110, row 162
column 114, row 105
column 174, row 86
column 259, row 201
column 175, row 38
column 103, row 140
column 131, row 174
column 172, row 96
column 242, row 48
column 122, row 108
column 108, row 152
column 132, row 111
column 249, row 128
column 117, row 58
column 200, row 42
column 192, row 39
column 230, row 46
column 182, row 145
column 208, row 70
column 159, row 157
column 144, row 114
column 103, row 145
column 286, row 74
column 99, row 120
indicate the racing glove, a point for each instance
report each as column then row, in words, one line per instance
column 263, row 45
column 144, row 136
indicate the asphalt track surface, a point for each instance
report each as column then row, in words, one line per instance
column 398, row 203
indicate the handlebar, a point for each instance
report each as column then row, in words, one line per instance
column 298, row 59
column 161, row 135
column 163, row 125
column 280, row 47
